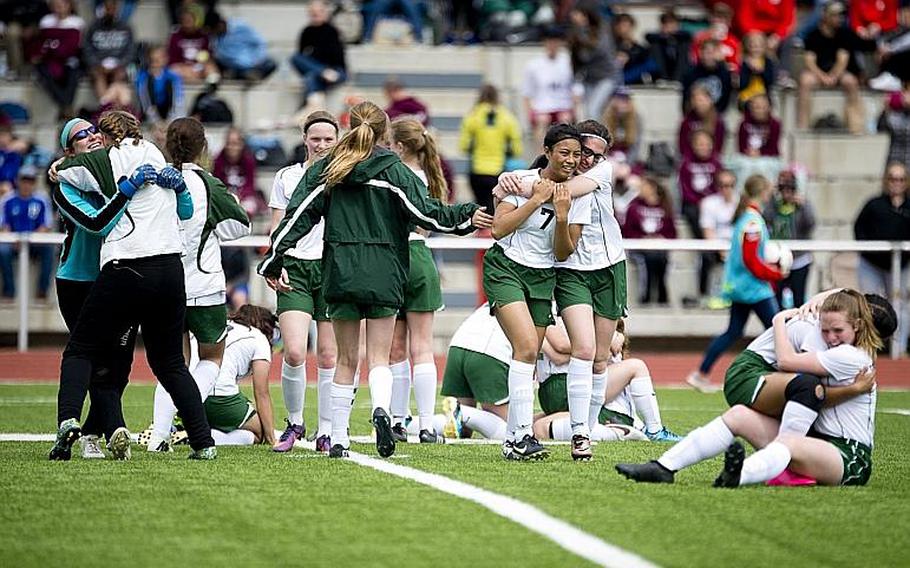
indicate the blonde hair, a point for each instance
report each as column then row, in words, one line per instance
column 708, row 122
column 416, row 140
column 368, row 126
column 627, row 124
column 626, row 344
column 119, row 124
column 752, row 189
column 858, row 313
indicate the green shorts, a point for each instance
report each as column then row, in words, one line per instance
column 604, row 290
column 228, row 413
column 423, row 292
column 306, row 280
column 857, row 458
column 474, row 375
column 552, row 394
column 745, row 378
column 505, row 282
column 207, row 323
column 607, row 416
column 357, row 312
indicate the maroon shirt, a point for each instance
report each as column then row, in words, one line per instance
column 691, row 122
column 761, row 136
column 184, row 47
column 644, row 221
column 696, row 178
column 409, row 106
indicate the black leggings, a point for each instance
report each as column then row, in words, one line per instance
column 148, row 292
column 71, row 295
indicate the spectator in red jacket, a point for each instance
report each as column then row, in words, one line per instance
column 188, row 50
column 702, row 115
column 759, row 131
column 773, row 18
column 650, row 216
column 57, row 59
column 871, row 18
column 721, row 21
column 236, row 167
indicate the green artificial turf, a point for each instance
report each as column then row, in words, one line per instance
column 252, row 507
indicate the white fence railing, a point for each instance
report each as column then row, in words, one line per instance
column 451, row 243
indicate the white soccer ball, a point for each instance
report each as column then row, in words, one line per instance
column 779, row 254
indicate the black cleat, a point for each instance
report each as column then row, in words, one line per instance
column 430, row 437
column 528, row 448
column 338, row 451
column 733, row 466
column 581, row 448
column 399, row 434
column 385, row 442
column 67, row 434
column 651, row 472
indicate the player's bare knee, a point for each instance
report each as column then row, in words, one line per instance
column 295, row 355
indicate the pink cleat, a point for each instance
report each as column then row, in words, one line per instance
column 791, row 479
column 291, row 434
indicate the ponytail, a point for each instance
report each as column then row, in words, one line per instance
column 412, row 135
column 368, row 126
column 752, row 190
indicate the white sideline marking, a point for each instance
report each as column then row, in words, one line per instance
column 899, row 411
column 562, row 533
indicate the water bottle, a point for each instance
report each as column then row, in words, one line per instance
column 787, row 298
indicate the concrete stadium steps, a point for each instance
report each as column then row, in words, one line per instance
column 840, row 155
column 838, row 199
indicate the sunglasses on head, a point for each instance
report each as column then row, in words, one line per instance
column 83, row 134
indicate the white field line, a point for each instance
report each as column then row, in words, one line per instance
column 899, row 411
column 562, row 533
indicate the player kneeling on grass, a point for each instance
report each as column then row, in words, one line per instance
column 628, row 385
column 819, row 442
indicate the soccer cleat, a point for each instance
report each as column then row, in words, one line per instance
column 663, row 435
column 789, row 478
column 399, row 433
column 67, row 434
column 179, row 436
column 385, row 443
column 528, row 448
column 145, row 436
column 581, row 448
column 701, row 383
column 291, row 434
column 651, row 472
column 323, row 444
column 733, row 466
column 208, row 453
column 454, row 425
column 91, row 449
column 119, row 444
column 508, row 449
column 159, row 446
column 430, row 437
column 338, row 451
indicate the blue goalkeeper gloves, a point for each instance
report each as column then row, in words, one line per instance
column 171, row 178
column 144, row 174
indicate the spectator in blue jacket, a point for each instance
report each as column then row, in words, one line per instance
column 10, row 159
column 26, row 212
column 160, row 90
column 239, row 50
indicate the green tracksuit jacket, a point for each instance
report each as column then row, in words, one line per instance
column 365, row 258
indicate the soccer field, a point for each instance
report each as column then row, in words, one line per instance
column 252, row 507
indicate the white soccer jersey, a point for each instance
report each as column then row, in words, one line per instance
column 286, row 180
column 242, row 346
column 531, row 244
column 600, row 244
column 481, row 333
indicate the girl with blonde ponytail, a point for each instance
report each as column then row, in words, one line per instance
column 423, row 295
column 369, row 200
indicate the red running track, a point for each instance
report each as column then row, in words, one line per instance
column 667, row 368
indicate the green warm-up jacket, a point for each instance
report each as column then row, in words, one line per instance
column 368, row 214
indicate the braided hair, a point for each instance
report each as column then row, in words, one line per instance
column 119, row 124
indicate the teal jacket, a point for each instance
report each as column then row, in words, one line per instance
column 740, row 285
column 365, row 259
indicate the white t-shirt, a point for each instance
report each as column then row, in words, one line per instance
column 600, row 244
column 548, row 83
column 481, row 333
column 309, row 247
column 531, row 244
column 242, row 346
column 716, row 213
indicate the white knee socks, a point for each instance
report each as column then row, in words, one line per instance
column 796, row 419
column 401, row 390
column 235, row 438
column 380, row 380
column 598, row 388
column 702, row 443
column 485, row 423
column 205, row 374
column 521, row 399
column 163, row 414
column 579, row 389
column 765, row 464
column 425, row 393
column 342, row 402
column 293, row 387
column 324, row 404
column 645, row 401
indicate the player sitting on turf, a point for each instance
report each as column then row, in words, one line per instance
column 628, row 385
column 840, row 345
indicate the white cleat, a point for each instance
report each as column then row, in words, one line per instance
column 159, row 445
column 119, row 444
column 91, row 448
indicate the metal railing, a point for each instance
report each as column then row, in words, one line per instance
column 25, row 240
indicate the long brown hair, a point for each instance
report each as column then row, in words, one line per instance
column 627, row 124
column 663, row 196
column 369, row 124
column 417, row 141
column 185, row 141
column 119, row 124
column 256, row 317
column 858, row 313
column 708, row 122
column 626, row 343
column 752, row 189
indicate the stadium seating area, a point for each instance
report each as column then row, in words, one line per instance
column 844, row 171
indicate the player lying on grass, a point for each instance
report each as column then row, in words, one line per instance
column 840, row 345
column 628, row 385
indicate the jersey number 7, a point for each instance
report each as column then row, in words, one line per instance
column 549, row 214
